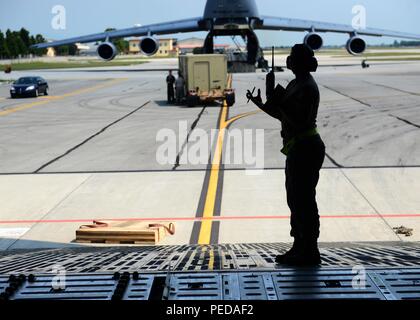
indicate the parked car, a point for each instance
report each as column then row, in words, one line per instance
column 29, row 87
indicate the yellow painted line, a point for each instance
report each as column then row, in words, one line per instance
column 230, row 121
column 204, row 249
column 23, row 107
column 49, row 97
column 207, row 222
column 205, row 230
column 211, row 260
column 229, row 81
column 66, row 95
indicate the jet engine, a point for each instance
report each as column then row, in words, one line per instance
column 314, row 41
column 107, row 51
column 356, row 45
column 149, row 46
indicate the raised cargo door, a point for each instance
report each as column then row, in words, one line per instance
column 202, row 75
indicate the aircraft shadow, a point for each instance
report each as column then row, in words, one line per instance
column 8, row 244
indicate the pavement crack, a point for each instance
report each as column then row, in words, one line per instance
column 405, row 121
column 89, row 138
column 348, row 96
column 333, row 161
column 370, row 203
column 392, row 88
column 193, row 126
column 370, row 106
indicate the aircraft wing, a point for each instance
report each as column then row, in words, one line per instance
column 187, row 25
column 276, row 23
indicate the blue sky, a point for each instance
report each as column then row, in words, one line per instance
column 91, row 16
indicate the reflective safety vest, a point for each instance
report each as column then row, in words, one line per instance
column 292, row 142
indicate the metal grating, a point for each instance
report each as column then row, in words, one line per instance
column 324, row 284
column 3, row 284
column 139, row 288
column 79, row 287
column 199, row 258
column 400, row 285
column 195, row 287
column 284, row 284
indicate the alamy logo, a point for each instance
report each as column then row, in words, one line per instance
column 58, row 22
column 359, row 280
column 359, row 17
column 58, row 281
column 238, row 147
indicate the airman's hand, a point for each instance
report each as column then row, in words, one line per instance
column 255, row 99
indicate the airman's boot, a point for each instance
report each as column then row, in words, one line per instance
column 297, row 246
column 306, row 255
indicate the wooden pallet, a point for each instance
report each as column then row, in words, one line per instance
column 124, row 232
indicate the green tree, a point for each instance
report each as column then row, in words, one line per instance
column 18, row 43
column 25, row 36
column 32, row 41
column 62, row 51
column 4, row 52
column 39, row 39
column 67, row 50
column 11, row 44
column 22, row 49
column 122, row 45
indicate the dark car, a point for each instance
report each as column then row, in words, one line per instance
column 29, row 87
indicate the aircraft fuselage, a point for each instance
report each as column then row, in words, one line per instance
column 222, row 9
column 232, row 18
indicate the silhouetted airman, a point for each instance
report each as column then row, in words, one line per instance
column 170, row 81
column 297, row 109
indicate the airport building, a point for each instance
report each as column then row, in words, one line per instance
column 134, row 46
column 82, row 49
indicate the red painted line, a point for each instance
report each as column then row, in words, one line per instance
column 353, row 216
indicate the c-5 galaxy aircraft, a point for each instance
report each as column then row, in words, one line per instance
column 230, row 18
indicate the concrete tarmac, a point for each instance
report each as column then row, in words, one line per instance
column 89, row 151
